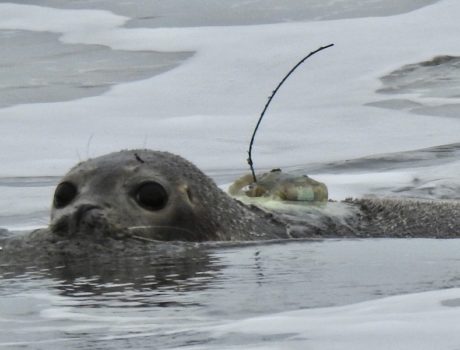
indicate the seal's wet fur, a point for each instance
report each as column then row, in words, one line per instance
column 407, row 218
column 105, row 208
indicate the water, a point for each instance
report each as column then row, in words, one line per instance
column 49, row 71
column 375, row 115
column 172, row 303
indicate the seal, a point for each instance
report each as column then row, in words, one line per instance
column 127, row 214
column 146, row 195
column 154, row 195
column 161, row 196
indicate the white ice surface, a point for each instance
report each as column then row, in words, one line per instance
column 429, row 320
column 206, row 108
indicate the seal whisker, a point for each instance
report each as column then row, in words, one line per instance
column 88, row 145
column 43, row 221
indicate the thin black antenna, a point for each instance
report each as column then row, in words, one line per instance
column 250, row 162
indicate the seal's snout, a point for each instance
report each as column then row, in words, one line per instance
column 86, row 219
column 83, row 219
column 85, row 212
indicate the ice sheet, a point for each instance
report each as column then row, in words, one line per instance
column 206, row 108
column 416, row 321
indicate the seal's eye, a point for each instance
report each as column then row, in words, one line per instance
column 65, row 193
column 151, row 196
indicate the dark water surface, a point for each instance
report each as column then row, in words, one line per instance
column 135, row 304
column 41, row 68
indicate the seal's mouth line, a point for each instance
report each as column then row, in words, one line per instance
column 175, row 228
column 164, row 233
column 140, row 227
column 143, row 239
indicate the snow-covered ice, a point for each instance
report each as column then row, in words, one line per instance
column 421, row 321
column 212, row 100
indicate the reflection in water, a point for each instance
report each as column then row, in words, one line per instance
column 167, row 294
column 120, row 269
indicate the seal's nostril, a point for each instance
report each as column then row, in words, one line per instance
column 82, row 219
column 82, row 210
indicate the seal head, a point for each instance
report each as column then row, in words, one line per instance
column 151, row 194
